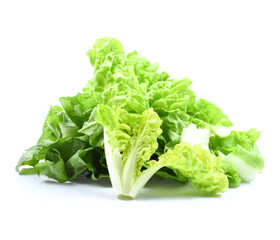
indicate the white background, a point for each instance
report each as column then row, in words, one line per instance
column 229, row 49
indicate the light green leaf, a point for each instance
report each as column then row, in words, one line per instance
column 240, row 152
column 233, row 179
column 145, row 71
column 203, row 168
column 229, row 143
column 208, row 112
column 169, row 95
column 140, row 148
column 106, row 49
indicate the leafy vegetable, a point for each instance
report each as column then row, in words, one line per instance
column 240, row 155
column 131, row 122
column 240, row 152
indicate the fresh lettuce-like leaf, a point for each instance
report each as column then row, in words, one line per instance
column 233, row 179
column 200, row 133
column 125, row 168
column 169, row 95
column 140, row 148
column 125, row 153
column 129, row 121
column 96, row 164
column 57, row 125
column 172, row 126
column 63, row 160
column 32, row 156
column 60, row 150
column 229, row 143
column 200, row 165
column 75, row 110
column 240, row 155
column 206, row 111
column 114, row 83
column 106, row 49
column 247, row 163
column 169, row 99
column 93, row 130
column 48, row 134
column 53, row 166
column 145, row 71
column 240, row 152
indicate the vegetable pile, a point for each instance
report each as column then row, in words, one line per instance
column 131, row 123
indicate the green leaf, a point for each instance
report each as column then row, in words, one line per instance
column 170, row 95
column 172, row 126
column 117, row 122
column 169, row 98
column 140, row 148
column 229, row 143
column 28, row 171
column 76, row 164
column 52, row 170
column 106, row 49
column 93, row 130
column 64, row 159
column 145, row 71
column 172, row 174
column 96, row 163
column 208, row 112
column 75, row 110
column 114, row 84
column 200, row 165
column 233, row 179
column 53, row 167
column 247, row 163
column 67, row 147
column 128, row 145
column 203, row 168
column 48, row 134
column 88, row 97
column 32, row 155
column 240, row 152
column 56, row 126
column 136, row 116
